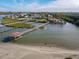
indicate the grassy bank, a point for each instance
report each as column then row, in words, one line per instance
column 21, row 25
column 42, row 21
column 7, row 21
column 16, row 25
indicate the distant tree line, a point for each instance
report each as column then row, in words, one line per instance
column 74, row 19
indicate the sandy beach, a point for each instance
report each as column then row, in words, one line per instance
column 14, row 51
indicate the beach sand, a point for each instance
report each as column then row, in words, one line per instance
column 15, row 51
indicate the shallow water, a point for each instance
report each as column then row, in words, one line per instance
column 60, row 35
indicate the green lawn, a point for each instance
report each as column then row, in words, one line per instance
column 21, row 25
column 7, row 21
column 42, row 21
column 16, row 25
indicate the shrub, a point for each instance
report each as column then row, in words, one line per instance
column 42, row 21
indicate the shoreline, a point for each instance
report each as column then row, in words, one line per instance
column 16, row 51
column 45, row 44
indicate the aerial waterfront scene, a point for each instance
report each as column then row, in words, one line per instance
column 39, row 29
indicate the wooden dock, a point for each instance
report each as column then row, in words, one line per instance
column 30, row 30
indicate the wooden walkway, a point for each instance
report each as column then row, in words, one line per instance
column 30, row 30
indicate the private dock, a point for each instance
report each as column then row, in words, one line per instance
column 19, row 35
column 30, row 30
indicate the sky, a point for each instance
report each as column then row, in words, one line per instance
column 39, row 5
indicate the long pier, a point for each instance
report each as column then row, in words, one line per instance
column 30, row 30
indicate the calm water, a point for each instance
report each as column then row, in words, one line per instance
column 60, row 35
